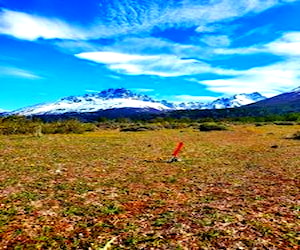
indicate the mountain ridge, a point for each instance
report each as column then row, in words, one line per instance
column 124, row 98
column 289, row 101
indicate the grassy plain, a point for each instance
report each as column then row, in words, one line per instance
column 236, row 189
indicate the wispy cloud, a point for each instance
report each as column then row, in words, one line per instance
column 216, row 40
column 142, row 90
column 158, row 65
column 286, row 45
column 31, row 27
column 269, row 80
column 19, row 73
column 129, row 17
column 192, row 98
column 180, row 13
column 114, row 57
column 238, row 51
column 153, row 45
column 76, row 46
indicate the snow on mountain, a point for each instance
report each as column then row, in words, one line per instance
column 107, row 99
column 235, row 101
column 296, row 90
column 3, row 111
column 123, row 98
column 288, row 101
column 188, row 105
column 224, row 102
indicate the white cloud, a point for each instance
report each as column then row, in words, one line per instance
column 191, row 98
column 158, row 65
column 128, row 17
column 132, row 16
column 17, row 72
column 31, row 27
column 153, row 45
column 225, row 10
column 76, row 46
column 288, row 45
column 164, row 65
column 142, row 90
column 238, row 51
column 210, row 28
column 114, row 57
column 116, row 77
column 268, row 80
column 216, row 40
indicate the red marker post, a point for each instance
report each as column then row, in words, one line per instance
column 176, row 152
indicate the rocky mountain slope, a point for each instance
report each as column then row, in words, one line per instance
column 289, row 101
column 123, row 98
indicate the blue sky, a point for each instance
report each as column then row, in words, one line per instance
column 179, row 50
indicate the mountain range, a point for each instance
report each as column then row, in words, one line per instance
column 122, row 98
column 286, row 102
column 113, row 103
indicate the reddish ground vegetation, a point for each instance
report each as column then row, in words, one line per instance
column 232, row 190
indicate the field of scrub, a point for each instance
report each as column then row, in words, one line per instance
column 235, row 189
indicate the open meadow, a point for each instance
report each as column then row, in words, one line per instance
column 235, row 189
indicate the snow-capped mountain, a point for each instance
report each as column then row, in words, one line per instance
column 289, row 101
column 296, row 90
column 123, row 98
column 3, row 112
column 235, row 101
column 107, row 99
column 220, row 103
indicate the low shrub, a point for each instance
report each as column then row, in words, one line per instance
column 67, row 127
column 18, row 125
column 260, row 124
column 285, row 123
column 138, row 128
column 22, row 125
column 107, row 125
column 296, row 136
column 177, row 125
column 211, row 126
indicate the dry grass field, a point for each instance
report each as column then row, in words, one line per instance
column 236, row 189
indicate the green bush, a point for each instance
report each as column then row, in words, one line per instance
column 177, row 125
column 260, row 124
column 211, row 126
column 22, row 125
column 67, row 127
column 138, row 128
column 285, row 123
column 18, row 125
column 108, row 125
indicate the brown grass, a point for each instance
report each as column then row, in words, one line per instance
column 236, row 189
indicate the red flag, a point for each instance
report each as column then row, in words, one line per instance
column 177, row 149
